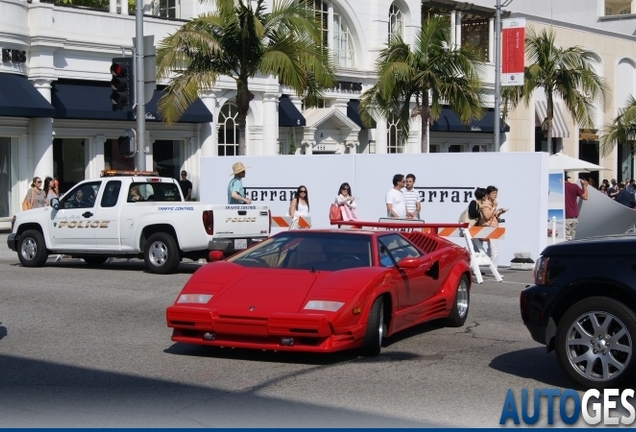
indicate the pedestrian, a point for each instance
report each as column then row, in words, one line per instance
column 395, row 204
column 411, row 198
column 489, row 217
column 471, row 214
column 51, row 189
column 572, row 192
column 299, row 205
column 346, row 202
column 623, row 196
column 35, row 197
column 235, row 190
column 186, row 186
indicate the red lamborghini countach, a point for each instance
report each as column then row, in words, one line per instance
column 324, row 291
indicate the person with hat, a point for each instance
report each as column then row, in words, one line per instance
column 235, row 191
column 572, row 192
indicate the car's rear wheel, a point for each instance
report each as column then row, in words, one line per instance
column 32, row 249
column 461, row 304
column 372, row 342
column 595, row 343
column 95, row 261
column 161, row 254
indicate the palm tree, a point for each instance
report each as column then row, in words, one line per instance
column 240, row 40
column 432, row 73
column 567, row 73
column 621, row 130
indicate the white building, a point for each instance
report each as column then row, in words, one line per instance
column 56, row 116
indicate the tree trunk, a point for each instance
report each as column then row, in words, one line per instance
column 425, row 115
column 548, row 119
column 243, row 98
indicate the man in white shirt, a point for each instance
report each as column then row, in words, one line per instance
column 395, row 204
column 411, row 198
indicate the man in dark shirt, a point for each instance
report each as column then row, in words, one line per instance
column 572, row 192
column 186, row 186
column 623, row 196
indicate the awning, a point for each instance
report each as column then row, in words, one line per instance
column 288, row 114
column 354, row 114
column 449, row 121
column 90, row 100
column 559, row 127
column 18, row 98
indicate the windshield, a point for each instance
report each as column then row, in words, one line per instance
column 322, row 251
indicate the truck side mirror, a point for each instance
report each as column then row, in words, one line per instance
column 55, row 203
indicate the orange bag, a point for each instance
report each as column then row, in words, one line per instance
column 334, row 213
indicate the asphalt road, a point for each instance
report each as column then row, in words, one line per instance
column 84, row 347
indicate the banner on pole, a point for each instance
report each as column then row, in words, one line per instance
column 513, row 51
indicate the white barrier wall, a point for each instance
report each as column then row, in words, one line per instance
column 446, row 182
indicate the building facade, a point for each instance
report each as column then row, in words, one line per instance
column 56, row 118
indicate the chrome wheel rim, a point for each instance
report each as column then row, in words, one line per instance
column 598, row 346
column 381, row 326
column 158, row 254
column 461, row 298
column 29, row 249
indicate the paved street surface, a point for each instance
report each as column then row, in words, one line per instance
column 84, row 347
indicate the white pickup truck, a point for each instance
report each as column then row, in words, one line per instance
column 134, row 216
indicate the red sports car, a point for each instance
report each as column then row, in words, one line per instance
column 324, row 291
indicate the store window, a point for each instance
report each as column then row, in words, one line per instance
column 393, row 141
column 396, row 22
column 335, row 32
column 166, row 8
column 69, row 161
column 5, row 177
column 166, row 158
column 228, row 133
column 475, row 35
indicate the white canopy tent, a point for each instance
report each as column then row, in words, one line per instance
column 559, row 161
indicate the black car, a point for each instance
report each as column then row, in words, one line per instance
column 583, row 305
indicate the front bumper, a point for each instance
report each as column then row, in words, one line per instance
column 12, row 241
column 310, row 333
column 537, row 303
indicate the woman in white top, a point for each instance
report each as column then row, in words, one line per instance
column 347, row 203
column 299, row 206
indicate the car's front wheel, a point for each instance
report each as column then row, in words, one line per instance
column 31, row 249
column 374, row 333
column 595, row 342
column 161, row 254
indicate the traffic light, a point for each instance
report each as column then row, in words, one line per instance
column 126, row 145
column 123, row 83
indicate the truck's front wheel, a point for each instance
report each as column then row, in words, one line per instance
column 161, row 254
column 31, row 249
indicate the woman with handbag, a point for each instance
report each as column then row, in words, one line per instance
column 489, row 217
column 35, row 197
column 346, row 202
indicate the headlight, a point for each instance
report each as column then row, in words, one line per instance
column 541, row 270
column 194, row 298
column 323, row 305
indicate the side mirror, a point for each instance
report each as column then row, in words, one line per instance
column 55, row 203
column 409, row 263
column 215, row 255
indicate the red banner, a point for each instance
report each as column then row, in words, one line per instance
column 513, row 51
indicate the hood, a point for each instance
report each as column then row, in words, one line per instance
column 624, row 244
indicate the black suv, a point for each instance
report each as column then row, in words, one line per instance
column 583, row 305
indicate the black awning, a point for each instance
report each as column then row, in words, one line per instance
column 354, row 114
column 449, row 121
column 18, row 98
column 288, row 114
column 90, row 100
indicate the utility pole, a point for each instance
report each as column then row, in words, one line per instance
column 498, row 8
column 140, row 157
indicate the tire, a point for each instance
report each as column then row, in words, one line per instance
column 597, row 355
column 95, row 260
column 32, row 249
column 161, row 254
column 461, row 304
column 372, row 342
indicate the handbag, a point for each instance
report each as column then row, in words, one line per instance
column 334, row 213
column 26, row 205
